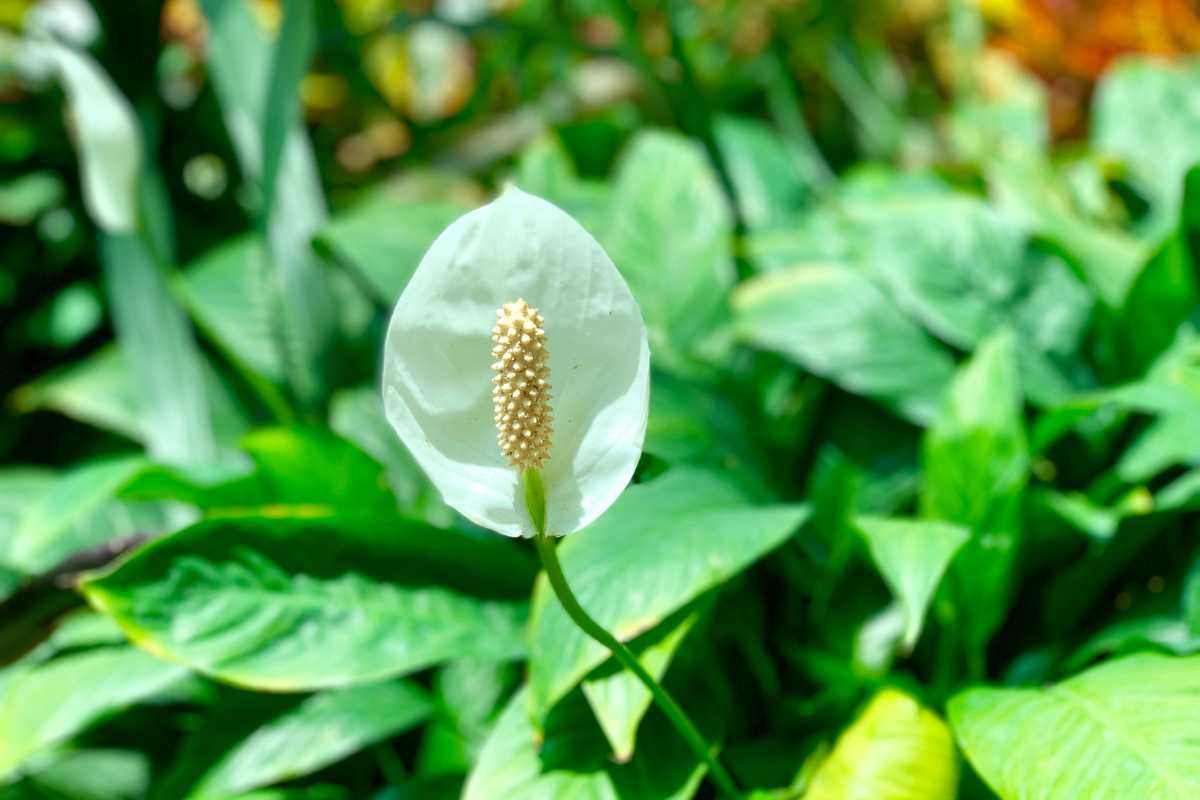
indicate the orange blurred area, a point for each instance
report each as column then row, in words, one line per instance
column 1069, row 43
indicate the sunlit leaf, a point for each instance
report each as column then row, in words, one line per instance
column 1127, row 728
column 699, row 525
column 895, row 750
column 836, row 323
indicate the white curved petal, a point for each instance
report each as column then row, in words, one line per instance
column 436, row 372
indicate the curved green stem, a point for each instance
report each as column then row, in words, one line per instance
column 535, row 501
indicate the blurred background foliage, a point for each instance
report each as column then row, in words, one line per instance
column 919, row 284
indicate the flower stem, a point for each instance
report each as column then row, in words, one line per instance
column 558, row 581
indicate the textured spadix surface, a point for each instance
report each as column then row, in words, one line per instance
column 437, row 364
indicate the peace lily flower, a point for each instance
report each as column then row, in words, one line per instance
column 517, row 347
column 517, row 373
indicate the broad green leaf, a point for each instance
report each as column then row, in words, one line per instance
column 321, row 730
column 679, row 272
column 964, row 269
column 1127, row 728
column 313, row 467
column 1106, row 257
column 895, row 750
column 1146, row 113
column 76, row 511
column 950, row 260
column 383, row 240
column 976, row 459
column 912, row 556
column 573, row 761
column 660, row 546
column 837, row 324
column 768, row 173
column 226, row 290
column 44, row 705
column 99, row 390
column 301, row 602
column 107, row 136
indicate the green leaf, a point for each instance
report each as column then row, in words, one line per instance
column 93, row 775
column 20, row 487
column 680, row 273
column 385, row 254
column 837, row 324
column 660, row 546
column 1127, row 728
column 950, row 260
column 107, row 136
column 227, row 292
column 468, row 695
column 976, row 460
column 47, row 704
column 241, row 62
column 151, row 328
column 76, row 511
column 619, row 699
column 895, row 750
column 357, row 414
column 1146, row 113
column 100, row 390
column 574, row 761
column 545, row 170
column 694, row 424
column 161, row 352
column 769, row 176
column 281, row 112
column 300, row 602
column 313, row 467
column 1106, row 257
column 963, row 269
column 1161, row 298
column 912, row 556
column 320, row 730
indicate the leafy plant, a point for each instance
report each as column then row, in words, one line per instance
column 914, row 514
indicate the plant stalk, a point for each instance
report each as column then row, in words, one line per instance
column 558, row 581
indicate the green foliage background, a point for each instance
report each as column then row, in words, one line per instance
column 915, row 518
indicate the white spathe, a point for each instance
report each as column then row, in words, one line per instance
column 437, row 364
